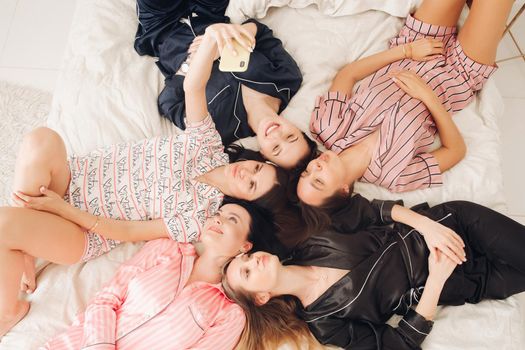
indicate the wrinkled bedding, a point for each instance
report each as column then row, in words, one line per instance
column 106, row 93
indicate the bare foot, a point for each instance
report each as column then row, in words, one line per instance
column 28, row 280
column 9, row 321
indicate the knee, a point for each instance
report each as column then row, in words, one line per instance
column 40, row 144
column 42, row 138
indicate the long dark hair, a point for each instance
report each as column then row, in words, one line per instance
column 316, row 218
column 313, row 152
column 272, row 324
column 263, row 230
column 290, row 226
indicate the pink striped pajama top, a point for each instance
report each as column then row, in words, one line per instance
column 150, row 179
column 147, row 305
column 401, row 161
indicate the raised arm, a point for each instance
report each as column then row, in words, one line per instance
column 453, row 147
column 419, row 50
column 215, row 38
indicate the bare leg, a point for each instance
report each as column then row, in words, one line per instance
column 41, row 161
column 483, row 29
column 440, row 12
column 39, row 234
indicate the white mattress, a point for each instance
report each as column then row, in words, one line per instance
column 106, row 93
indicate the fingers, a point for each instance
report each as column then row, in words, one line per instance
column 22, row 196
column 456, row 237
column 437, row 51
column 451, row 254
column 248, row 35
column 431, row 57
column 458, row 251
column 437, row 43
column 220, row 43
column 229, row 44
column 19, row 202
column 243, row 41
column 244, row 37
column 401, row 83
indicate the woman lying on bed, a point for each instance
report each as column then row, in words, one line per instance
column 156, row 188
column 346, row 286
column 240, row 104
column 176, row 286
column 382, row 133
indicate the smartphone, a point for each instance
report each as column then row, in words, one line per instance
column 231, row 63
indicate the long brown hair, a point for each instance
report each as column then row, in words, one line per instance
column 316, row 218
column 270, row 325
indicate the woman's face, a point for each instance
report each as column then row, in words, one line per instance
column 227, row 231
column 255, row 273
column 323, row 177
column 249, row 179
column 281, row 142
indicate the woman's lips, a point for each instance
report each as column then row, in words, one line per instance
column 234, row 168
column 270, row 128
column 215, row 229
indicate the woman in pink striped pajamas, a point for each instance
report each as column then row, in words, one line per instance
column 383, row 132
column 155, row 188
column 168, row 296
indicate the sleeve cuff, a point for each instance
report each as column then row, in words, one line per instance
column 100, row 346
column 260, row 27
column 415, row 326
column 385, row 209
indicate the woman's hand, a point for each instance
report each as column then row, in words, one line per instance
column 440, row 267
column 224, row 34
column 425, row 49
column 413, row 85
column 49, row 201
column 442, row 238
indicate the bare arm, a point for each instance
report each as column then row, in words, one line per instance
column 350, row 74
column 120, row 230
column 453, row 147
column 420, row 50
column 216, row 36
column 440, row 268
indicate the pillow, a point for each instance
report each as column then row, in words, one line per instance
column 240, row 10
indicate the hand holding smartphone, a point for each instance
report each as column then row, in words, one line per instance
column 234, row 63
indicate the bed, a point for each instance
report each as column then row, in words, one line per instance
column 106, row 93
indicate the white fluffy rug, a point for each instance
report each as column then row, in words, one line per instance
column 21, row 110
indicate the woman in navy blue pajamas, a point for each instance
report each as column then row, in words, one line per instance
column 242, row 104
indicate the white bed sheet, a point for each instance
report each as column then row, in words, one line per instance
column 106, row 93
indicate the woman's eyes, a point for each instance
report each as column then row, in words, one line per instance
column 233, row 219
column 318, row 181
column 275, row 149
